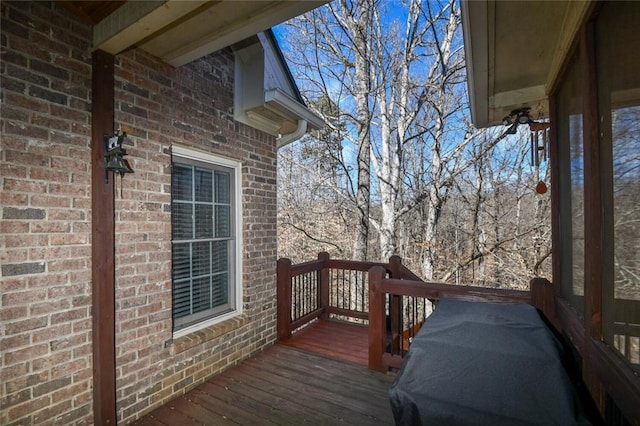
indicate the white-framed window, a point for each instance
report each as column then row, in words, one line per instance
column 205, row 239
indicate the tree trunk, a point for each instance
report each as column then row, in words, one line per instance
column 357, row 26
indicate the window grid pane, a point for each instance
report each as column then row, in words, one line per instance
column 202, row 243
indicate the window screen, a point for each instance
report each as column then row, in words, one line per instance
column 202, row 241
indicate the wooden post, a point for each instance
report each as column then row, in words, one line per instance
column 395, row 310
column 395, row 266
column 102, row 244
column 284, row 299
column 376, row 319
column 323, row 281
column 543, row 298
column 593, row 250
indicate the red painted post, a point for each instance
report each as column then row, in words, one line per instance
column 102, row 249
column 395, row 266
column 376, row 319
column 323, row 281
column 395, row 310
column 543, row 298
column 284, row 299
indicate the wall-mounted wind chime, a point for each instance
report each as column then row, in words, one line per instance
column 539, row 139
column 114, row 160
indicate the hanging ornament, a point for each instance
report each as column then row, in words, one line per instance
column 541, row 188
column 539, row 148
column 538, row 138
column 539, row 141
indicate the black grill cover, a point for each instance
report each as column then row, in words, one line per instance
column 475, row 363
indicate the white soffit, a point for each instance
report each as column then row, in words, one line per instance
column 181, row 31
column 514, row 52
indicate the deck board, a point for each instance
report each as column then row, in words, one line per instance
column 336, row 339
column 287, row 386
column 201, row 413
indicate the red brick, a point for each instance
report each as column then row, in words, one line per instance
column 50, row 333
column 48, row 281
column 71, row 163
column 21, row 355
column 67, row 214
column 68, row 315
column 23, row 297
column 24, row 186
column 84, row 350
column 26, row 381
column 69, row 369
column 52, row 411
column 26, row 102
column 14, row 255
column 50, row 386
column 69, row 392
column 66, row 265
column 50, row 226
column 46, row 363
column 13, row 342
column 48, row 174
column 14, row 371
column 68, row 239
column 12, row 199
column 28, row 407
column 11, row 313
column 21, row 326
column 50, row 200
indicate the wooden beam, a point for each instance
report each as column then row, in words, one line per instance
column 593, row 188
column 576, row 13
column 103, row 244
column 220, row 25
column 439, row 291
column 138, row 20
column 526, row 95
column 593, row 260
column 554, row 165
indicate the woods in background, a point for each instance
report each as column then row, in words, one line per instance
column 399, row 169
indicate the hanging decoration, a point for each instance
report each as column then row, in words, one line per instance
column 114, row 156
column 539, row 138
column 539, row 142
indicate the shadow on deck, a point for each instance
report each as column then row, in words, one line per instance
column 314, row 378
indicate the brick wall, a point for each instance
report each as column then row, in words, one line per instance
column 45, row 205
column 45, row 286
column 191, row 106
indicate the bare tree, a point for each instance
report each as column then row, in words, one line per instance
column 392, row 88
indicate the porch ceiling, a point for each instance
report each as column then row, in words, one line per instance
column 179, row 31
column 514, row 52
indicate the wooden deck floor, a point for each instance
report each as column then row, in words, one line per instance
column 289, row 385
column 338, row 340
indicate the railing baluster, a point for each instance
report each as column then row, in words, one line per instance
column 346, row 290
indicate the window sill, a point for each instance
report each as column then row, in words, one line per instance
column 198, row 337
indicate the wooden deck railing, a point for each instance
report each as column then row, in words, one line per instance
column 391, row 299
column 394, row 302
column 383, row 356
column 327, row 288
